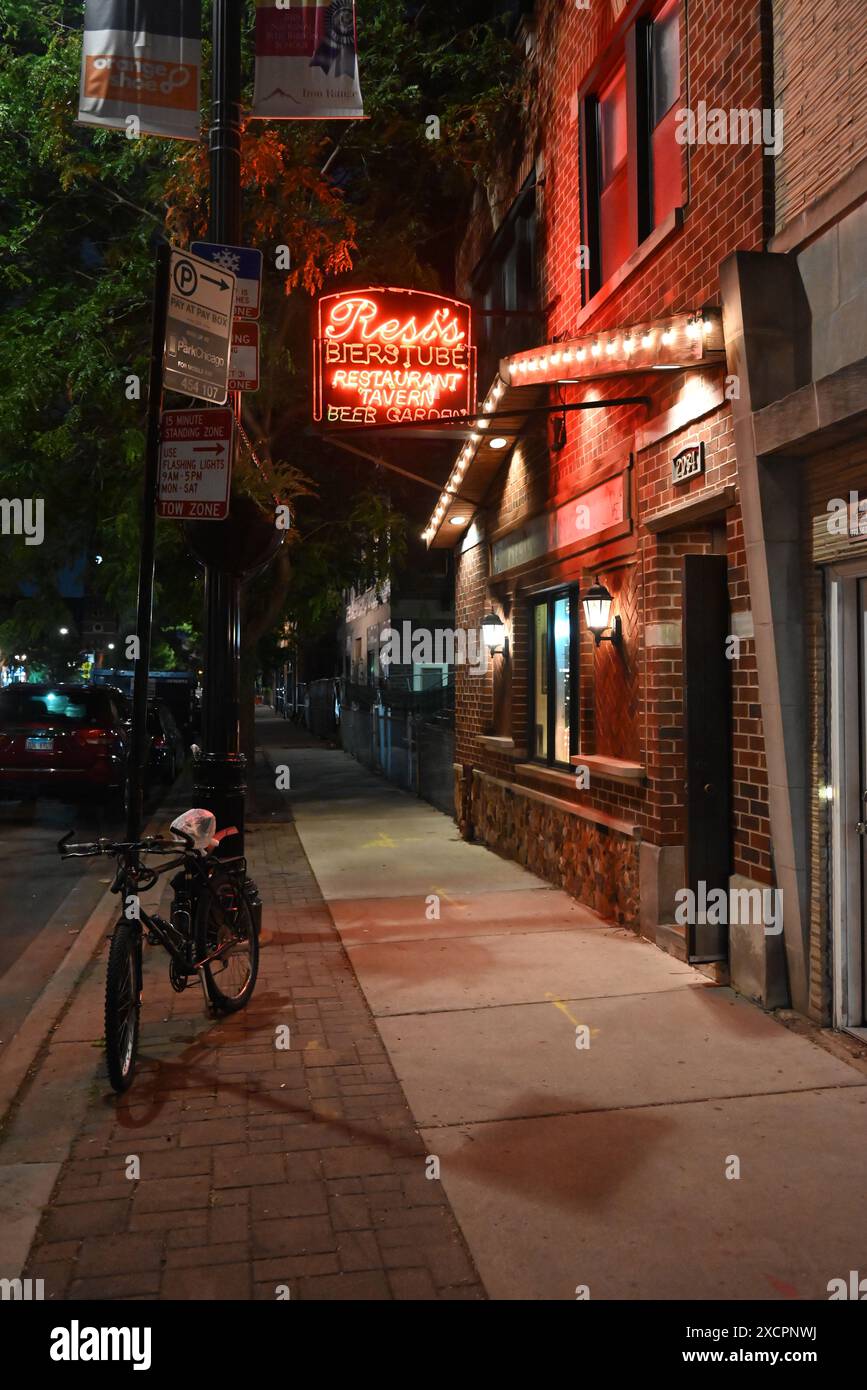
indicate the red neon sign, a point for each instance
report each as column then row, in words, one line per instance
column 385, row 356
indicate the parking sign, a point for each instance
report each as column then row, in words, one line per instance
column 198, row 328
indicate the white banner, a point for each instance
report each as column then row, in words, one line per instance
column 306, row 62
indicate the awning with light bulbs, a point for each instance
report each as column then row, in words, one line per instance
column 519, row 392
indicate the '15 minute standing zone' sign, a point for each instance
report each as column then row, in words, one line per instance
column 390, row 357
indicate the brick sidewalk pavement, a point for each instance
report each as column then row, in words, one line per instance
column 260, row 1168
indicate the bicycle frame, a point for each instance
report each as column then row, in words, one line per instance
column 197, row 873
column 132, row 875
column 227, row 920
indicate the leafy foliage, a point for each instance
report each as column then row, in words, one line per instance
column 81, row 213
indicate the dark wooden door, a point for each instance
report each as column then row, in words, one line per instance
column 707, row 718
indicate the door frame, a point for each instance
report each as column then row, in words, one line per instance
column 842, row 613
column 706, row 943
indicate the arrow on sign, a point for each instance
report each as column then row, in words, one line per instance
column 221, row 284
column 207, row 448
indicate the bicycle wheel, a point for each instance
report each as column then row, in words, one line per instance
column 231, row 979
column 123, row 1003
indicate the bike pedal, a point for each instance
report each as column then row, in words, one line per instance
column 178, row 979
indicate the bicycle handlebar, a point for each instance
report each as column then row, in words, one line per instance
column 150, row 845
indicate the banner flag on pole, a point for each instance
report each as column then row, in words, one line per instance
column 142, row 59
column 306, row 61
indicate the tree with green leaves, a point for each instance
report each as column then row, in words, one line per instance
column 81, row 212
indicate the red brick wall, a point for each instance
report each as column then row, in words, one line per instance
column 473, row 694
column 723, row 185
column 820, row 63
column 626, row 697
column 664, row 694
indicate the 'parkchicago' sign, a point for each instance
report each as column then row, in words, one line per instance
column 392, row 357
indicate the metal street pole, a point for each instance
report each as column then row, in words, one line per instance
column 220, row 770
column 141, row 668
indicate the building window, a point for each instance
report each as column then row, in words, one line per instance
column 615, row 233
column 630, row 159
column 554, row 677
column 504, row 286
column 665, row 93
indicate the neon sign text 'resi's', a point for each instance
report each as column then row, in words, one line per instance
column 392, row 356
column 360, row 316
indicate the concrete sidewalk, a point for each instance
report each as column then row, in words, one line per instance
column 434, row 994
column 236, row 1167
column 610, row 1166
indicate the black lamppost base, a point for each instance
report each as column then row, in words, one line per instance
column 231, row 551
column 220, row 781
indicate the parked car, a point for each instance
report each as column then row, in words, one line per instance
column 167, row 750
column 66, row 741
column 177, row 689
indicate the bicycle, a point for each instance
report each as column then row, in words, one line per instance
column 216, row 916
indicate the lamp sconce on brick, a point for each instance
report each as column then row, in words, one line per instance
column 597, row 610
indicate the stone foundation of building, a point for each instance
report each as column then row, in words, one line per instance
column 593, row 862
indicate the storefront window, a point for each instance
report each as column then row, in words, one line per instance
column 540, row 681
column 554, row 707
column 562, row 679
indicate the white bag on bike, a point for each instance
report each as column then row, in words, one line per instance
column 201, row 825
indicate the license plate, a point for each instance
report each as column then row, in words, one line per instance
column 40, row 745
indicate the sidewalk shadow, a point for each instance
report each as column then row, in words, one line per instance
column 160, row 1081
column 529, row 1157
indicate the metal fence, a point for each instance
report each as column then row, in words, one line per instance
column 397, row 694
column 321, row 707
column 435, row 759
column 413, row 748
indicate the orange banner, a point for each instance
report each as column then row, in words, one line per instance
column 109, row 78
column 141, row 63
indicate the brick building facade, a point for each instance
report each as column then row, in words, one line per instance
column 796, row 333
column 629, row 771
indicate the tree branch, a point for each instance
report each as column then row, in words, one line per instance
column 143, row 212
column 263, row 618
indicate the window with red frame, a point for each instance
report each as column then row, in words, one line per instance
column 631, row 161
column 664, row 95
column 615, row 239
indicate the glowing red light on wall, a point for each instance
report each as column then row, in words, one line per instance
column 386, row 356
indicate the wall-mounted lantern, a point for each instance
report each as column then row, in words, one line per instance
column 597, row 610
column 493, row 632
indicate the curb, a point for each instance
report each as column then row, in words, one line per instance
column 26, row 1188
column 18, row 1057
